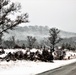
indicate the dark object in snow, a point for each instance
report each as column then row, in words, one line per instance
column 47, row 56
column 2, row 51
column 32, row 54
column 19, row 55
column 7, row 60
column 17, row 46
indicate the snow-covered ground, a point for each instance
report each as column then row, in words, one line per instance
column 30, row 67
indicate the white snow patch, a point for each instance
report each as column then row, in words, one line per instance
column 70, row 54
column 33, row 50
column 3, row 55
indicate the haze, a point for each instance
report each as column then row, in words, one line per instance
column 53, row 13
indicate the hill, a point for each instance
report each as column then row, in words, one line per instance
column 39, row 32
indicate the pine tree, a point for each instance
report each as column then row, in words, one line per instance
column 54, row 37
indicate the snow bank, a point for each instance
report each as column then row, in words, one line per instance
column 30, row 67
column 70, row 54
column 33, row 50
column 12, row 51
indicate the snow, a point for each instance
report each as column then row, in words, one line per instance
column 12, row 51
column 70, row 54
column 33, row 50
column 31, row 67
column 3, row 55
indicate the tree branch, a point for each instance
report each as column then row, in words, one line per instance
column 19, row 20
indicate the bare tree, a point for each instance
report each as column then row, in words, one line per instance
column 54, row 37
column 6, row 23
column 10, row 43
column 31, row 40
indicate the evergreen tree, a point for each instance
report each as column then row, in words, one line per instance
column 54, row 37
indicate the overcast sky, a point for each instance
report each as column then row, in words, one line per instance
column 52, row 13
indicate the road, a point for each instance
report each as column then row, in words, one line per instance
column 64, row 70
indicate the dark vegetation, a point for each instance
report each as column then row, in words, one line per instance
column 43, row 55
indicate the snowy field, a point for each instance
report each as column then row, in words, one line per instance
column 32, row 68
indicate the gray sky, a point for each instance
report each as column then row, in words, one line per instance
column 52, row 13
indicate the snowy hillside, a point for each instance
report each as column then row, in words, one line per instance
column 36, row 31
